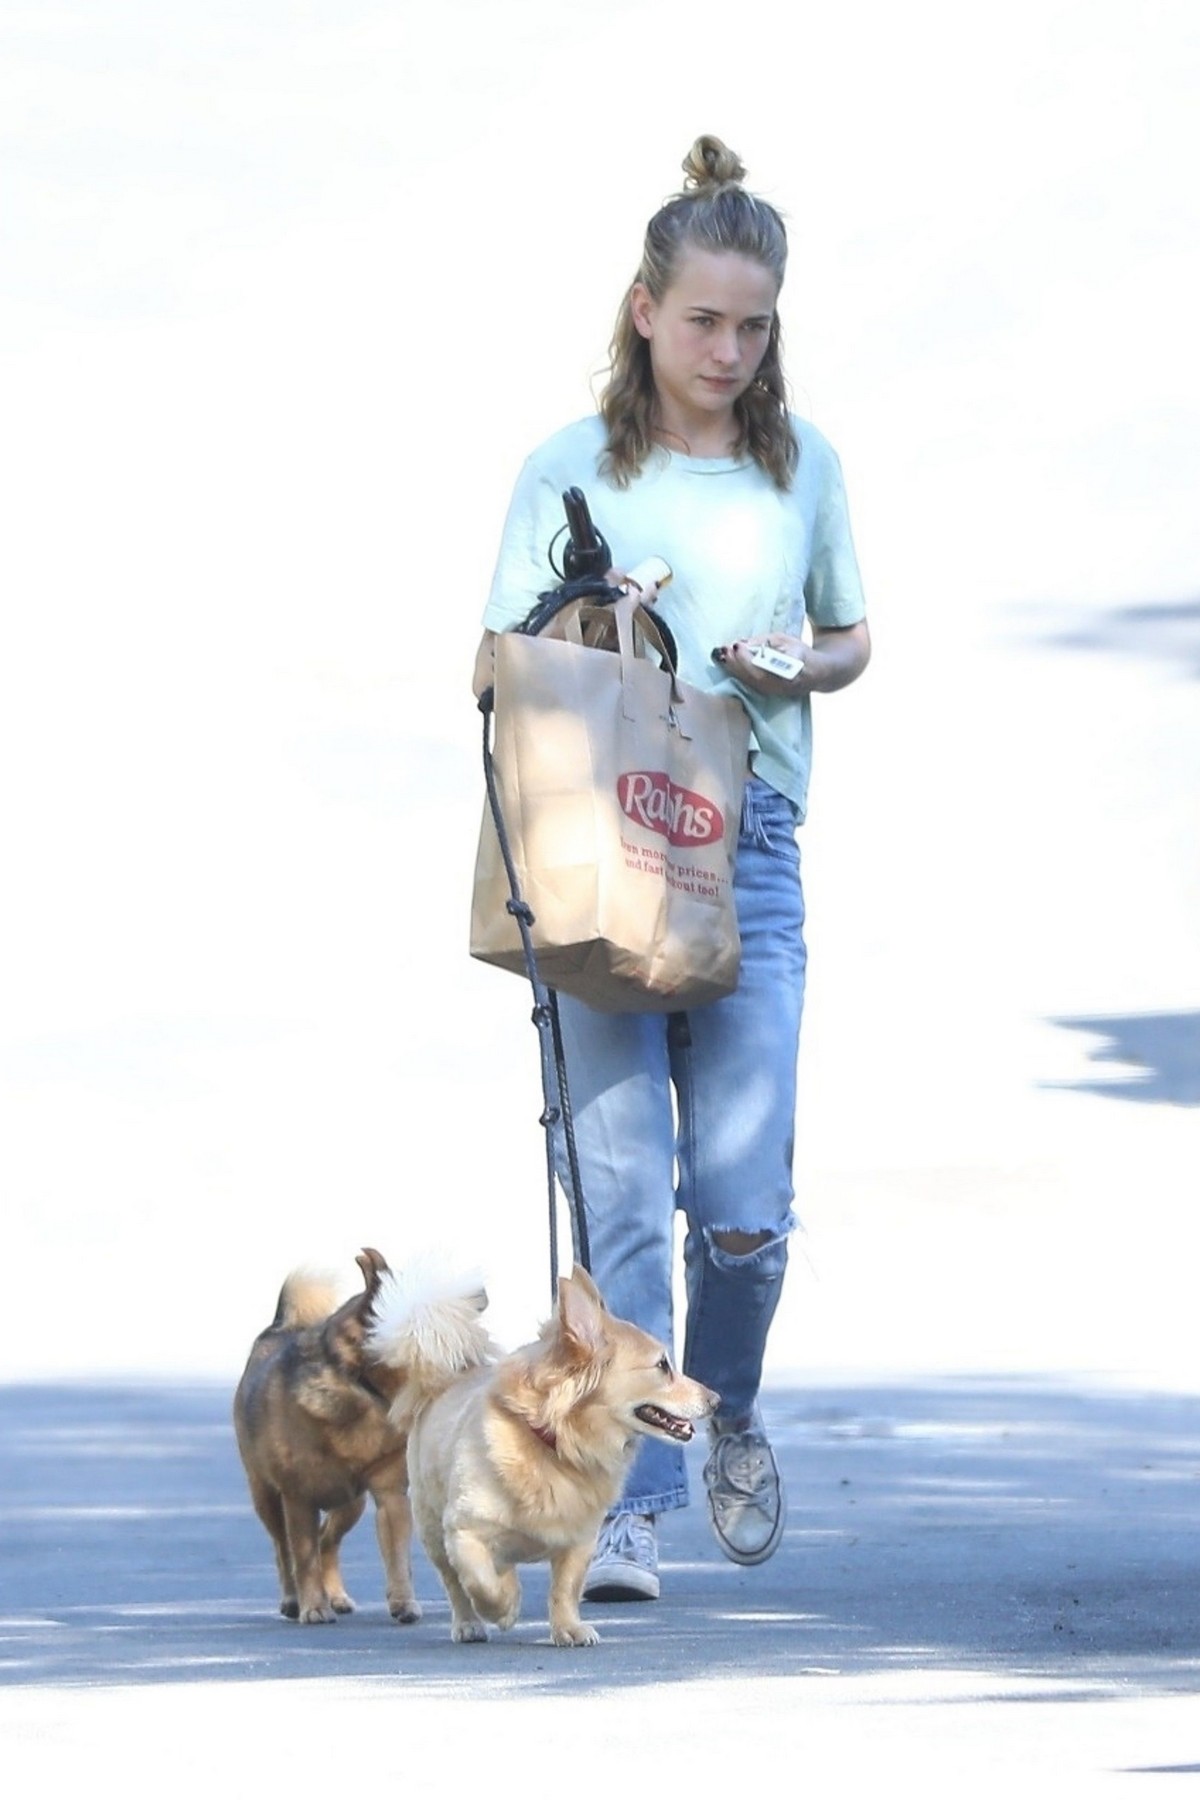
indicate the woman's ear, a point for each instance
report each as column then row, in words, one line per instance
column 642, row 309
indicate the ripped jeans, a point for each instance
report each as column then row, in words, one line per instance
column 700, row 1120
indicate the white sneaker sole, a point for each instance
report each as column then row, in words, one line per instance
column 620, row 1581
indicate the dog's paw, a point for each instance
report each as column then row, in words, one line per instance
column 318, row 1615
column 341, row 1603
column 499, row 1600
column 574, row 1637
column 290, row 1608
column 468, row 1631
column 405, row 1612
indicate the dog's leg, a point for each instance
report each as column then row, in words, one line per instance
column 341, row 1520
column 494, row 1593
column 393, row 1527
column 466, row 1627
column 303, row 1535
column 269, row 1508
column 567, row 1571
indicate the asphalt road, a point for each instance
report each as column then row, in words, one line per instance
column 983, row 1580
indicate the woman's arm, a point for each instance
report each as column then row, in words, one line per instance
column 485, row 658
column 837, row 656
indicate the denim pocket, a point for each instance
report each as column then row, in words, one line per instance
column 769, row 821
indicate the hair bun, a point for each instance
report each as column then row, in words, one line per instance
column 711, row 164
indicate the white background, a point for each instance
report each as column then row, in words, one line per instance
column 288, row 292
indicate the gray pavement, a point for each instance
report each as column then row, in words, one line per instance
column 950, row 1543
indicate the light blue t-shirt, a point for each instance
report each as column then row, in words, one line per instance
column 746, row 560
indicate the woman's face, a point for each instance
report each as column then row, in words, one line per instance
column 707, row 336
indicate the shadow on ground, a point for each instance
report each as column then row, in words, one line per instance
column 1017, row 1527
column 1163, row 631
column 1163, row 1047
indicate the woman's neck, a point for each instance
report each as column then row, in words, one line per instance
column 704, row 439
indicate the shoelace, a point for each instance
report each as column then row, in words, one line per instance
column 629, row 1537
column 741, row 1463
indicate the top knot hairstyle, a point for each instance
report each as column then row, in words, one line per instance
column 713, row 212
column 710, row 165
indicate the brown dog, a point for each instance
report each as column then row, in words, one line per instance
column 518, row 1459
column 311, row 1416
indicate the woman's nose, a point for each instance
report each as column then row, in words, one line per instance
column 727, row 348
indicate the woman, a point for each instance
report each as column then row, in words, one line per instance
column 695, row 458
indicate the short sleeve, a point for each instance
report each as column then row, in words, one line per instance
column 523, row 567
column 833, row 593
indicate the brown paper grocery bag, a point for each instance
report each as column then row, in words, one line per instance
column 620, row 789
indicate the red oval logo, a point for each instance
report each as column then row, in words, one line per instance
column 650, row 798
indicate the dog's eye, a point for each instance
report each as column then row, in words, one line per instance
column 664, row 1365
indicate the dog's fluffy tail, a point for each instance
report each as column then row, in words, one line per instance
column 427, row 1324
column 307, row 1297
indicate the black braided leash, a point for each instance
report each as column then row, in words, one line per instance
column 555, row 1089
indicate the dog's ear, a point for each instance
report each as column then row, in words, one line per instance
column 373, row 1265
column 584, row 1282
column 581, row 1313
column 346, row 1329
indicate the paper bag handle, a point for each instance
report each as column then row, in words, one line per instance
column 582, row 612
column 633, row 621
column 633, row 618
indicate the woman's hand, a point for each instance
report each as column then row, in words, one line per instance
column 836, row 657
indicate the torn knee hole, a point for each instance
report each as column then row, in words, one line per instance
column 740, row 1243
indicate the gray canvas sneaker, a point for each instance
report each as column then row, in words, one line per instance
column 746, row 1501
column 625, row 1564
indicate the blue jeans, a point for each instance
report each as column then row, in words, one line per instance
column 702, row 1120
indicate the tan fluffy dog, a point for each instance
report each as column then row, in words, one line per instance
column 518, row 1459
column 312, row 1420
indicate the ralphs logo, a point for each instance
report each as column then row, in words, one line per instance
column 649, row 798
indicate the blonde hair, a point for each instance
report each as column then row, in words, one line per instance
column 713, row 212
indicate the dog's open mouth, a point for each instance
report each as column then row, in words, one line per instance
column 658, row 1420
